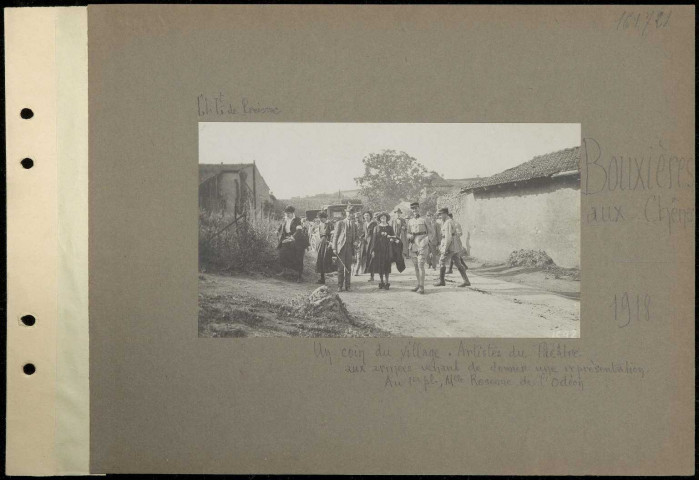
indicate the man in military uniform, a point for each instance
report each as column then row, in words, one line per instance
column 459, row 232
column 419, row 234
column 433, row 257
column 449, row 249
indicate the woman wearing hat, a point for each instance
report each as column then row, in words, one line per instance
column 381, row 255
column 292, row 242
column 400, row 226
column 324, row 260
column 370, row 223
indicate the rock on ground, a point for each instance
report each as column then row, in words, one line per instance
column 323, row 302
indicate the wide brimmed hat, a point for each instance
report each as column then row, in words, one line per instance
column 323, row 215
column 384, row 214
column 289, row 209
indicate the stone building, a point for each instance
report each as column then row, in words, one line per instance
column 230, row 189
column 535, row 205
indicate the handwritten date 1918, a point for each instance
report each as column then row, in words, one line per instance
column 628, row 308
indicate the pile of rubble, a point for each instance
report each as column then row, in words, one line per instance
column 530, row 258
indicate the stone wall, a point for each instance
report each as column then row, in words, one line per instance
column 539, row 216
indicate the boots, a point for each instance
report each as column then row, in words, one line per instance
column 466, row 282
column 416, row 288
column 441, row 282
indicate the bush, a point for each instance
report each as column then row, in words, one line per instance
column 249, row 245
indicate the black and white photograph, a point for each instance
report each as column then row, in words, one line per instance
column 467, row 230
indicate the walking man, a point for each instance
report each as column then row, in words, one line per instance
column 343, row 246
column 433, row 256
column 459, row 232
column 358, row 244
column 450, row 248
column 419, row 234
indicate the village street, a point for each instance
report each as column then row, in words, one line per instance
column 491, row 307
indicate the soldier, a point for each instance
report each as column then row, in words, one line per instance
column 450, row 248
column 433, row 256
column 419, row 234
column 459, row 232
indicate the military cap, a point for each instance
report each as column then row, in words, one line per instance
column 414, row 205
column 444, row 210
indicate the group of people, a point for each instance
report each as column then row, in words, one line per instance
column 363, row 243
column 371, row 242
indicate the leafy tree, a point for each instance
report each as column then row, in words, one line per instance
column 428, row 203
column 391, row 177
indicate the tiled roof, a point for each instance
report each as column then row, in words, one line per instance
column 451, row 182
column 208, row 170
column 461, row 182
column 538, row 167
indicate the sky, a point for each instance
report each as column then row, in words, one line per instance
column 300, row 159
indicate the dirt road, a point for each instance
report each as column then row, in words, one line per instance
column 491, row 307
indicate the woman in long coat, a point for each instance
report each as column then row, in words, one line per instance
column 370, row 224
column 292, row 242
column 324, row 260
column 381, row 253
column 400, row 226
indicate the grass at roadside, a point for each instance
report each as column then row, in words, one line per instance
column 227, row 313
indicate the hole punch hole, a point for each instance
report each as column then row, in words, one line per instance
column 29, row 369
column 28, row 320
column 26, row 113
column 27, row 163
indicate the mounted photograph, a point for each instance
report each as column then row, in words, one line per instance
column 463, row 230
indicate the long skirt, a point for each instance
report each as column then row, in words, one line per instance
column 381, row 256
column 291, row 256
column 366, row 256
column 324, row 260
column 360, row 260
